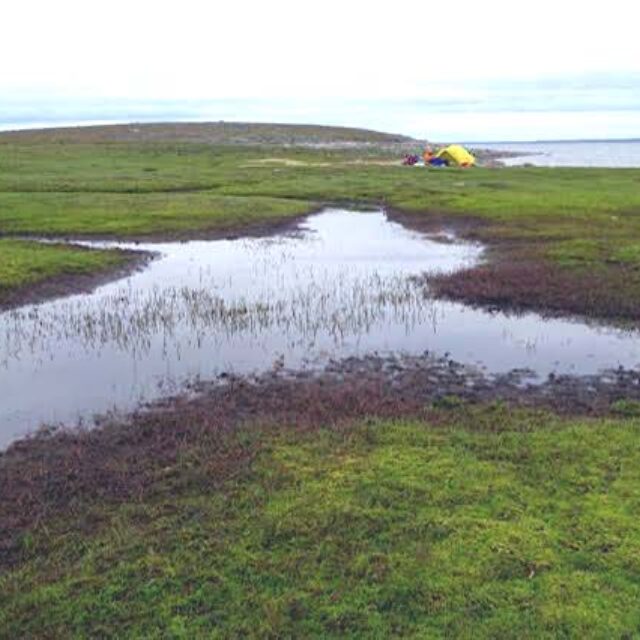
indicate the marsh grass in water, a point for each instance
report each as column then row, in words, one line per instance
column 345, row 284
column 130, row 322
column 211, row 307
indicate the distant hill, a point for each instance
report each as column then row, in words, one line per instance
column 232, row 133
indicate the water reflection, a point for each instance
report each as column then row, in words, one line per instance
column 344, row 285
column 338, row 308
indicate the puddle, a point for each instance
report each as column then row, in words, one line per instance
column 342, row 286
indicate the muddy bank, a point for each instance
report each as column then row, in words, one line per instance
column 230, row 231
column 510, row 284
column 516, row 277
column 397, row 386
column 67, row 284
column 466, row 227
column 191, row 438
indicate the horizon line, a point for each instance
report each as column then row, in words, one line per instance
column 43, row 126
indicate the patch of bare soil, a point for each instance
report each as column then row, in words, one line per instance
column 283, row 162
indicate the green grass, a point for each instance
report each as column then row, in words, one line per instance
column 506, row 525
column 118, row 214
column 550, row 206
column 480, row 523
column 536, row 205
column 24, row 263
column 584, row 219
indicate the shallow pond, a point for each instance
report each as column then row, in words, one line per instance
column 343, row 285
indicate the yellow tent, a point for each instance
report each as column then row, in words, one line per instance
column 456, row 155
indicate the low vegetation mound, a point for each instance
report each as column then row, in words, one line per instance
column 234, row 133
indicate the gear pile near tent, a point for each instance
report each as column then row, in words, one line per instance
column 456, row 155
column 453, row 155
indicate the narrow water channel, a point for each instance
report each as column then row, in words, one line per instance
column 345, row 284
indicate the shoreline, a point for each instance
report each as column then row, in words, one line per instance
column 495, row 284
column 65, row 285
column 516, row 276
column 529, row 284
column 68, row 284
column 355, row 389
column 475, row 386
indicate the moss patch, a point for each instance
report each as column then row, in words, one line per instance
column 24, row 263
column 505, row 525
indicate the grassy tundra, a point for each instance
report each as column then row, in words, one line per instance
column 462, row 521
column 478, row 523
column 574, row 232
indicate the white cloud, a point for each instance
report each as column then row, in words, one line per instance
column 194, row 49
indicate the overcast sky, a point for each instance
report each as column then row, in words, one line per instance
column 448, row 50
